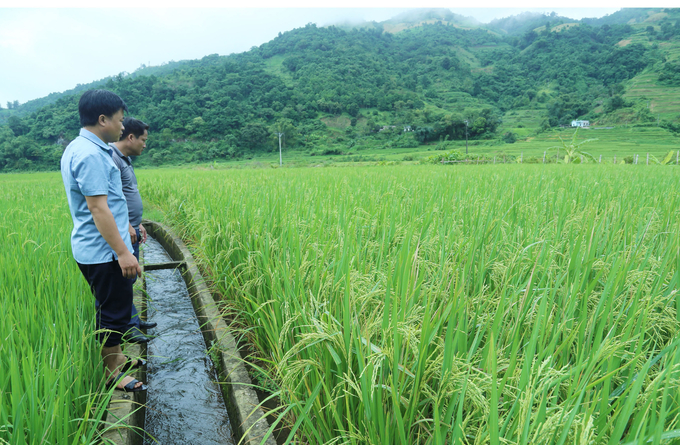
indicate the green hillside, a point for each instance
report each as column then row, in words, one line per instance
column 411, row 82
column 20, row 110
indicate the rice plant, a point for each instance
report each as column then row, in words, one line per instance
column 422, row 305
column 50, row 369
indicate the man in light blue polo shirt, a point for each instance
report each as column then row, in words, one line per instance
column 100, row 240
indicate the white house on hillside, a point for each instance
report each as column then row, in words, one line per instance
column 582, row 124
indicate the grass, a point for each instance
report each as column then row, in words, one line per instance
column 663, row 100
column 274, row 65
column 617, row 142
column 432, row 305
column 526, row 120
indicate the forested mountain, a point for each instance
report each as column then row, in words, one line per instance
column 15, row 109
column 333, row 90
column 526, row 21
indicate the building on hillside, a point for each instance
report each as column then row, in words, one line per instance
column 582, row 124
column 389, row 127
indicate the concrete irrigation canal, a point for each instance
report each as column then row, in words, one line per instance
column 194, row 397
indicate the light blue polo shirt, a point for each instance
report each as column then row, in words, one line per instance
column 87, row 169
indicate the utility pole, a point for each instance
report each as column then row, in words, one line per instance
column 280, row 156
column 466, row 136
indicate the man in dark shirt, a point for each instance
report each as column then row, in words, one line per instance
column 132, row 143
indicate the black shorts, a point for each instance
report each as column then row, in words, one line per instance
column 113, row 292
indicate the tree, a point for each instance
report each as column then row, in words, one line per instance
column 18, row 127
column 254, row 135
column 286, row 129
column 195, row 125
column 614, row 103
column 425, row 134
column 446, row 63
column 509, row 137
column 574, row 154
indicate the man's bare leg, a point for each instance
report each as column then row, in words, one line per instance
column 113, row 361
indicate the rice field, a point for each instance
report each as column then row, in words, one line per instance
column 50, row 368
column 420, row 304
column 509, row 304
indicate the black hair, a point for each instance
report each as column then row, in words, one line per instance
column 94, row 103
column 134, row 126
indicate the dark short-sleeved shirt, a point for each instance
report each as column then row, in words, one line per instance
column 130, row 190
column 87, row 169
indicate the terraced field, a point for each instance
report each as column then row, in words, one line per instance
column 664, row 100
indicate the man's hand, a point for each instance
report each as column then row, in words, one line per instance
column 133, row 234
column 129, row 265
column 142, row 233
column 106, row 224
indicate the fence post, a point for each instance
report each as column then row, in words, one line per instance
column 521, row 158
column 600, row 159
column 544, row 157
column 614, row 159
column 647, row 158
column 677, row 153
column 494, row 159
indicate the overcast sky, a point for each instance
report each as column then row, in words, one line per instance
column 45, row 50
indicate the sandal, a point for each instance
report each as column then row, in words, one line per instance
column 128, row 364
column 130, row 387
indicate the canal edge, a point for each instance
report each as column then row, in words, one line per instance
column 247, row 419
column 126, row 412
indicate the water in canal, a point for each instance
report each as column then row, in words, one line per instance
column 184, row 403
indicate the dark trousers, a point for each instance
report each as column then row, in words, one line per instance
column 113, row 294
column 134, row 315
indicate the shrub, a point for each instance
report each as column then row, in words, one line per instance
column 509, row 137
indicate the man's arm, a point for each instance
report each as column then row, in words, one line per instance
column 106, row 224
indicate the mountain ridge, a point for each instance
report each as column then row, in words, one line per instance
column 333, row 89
